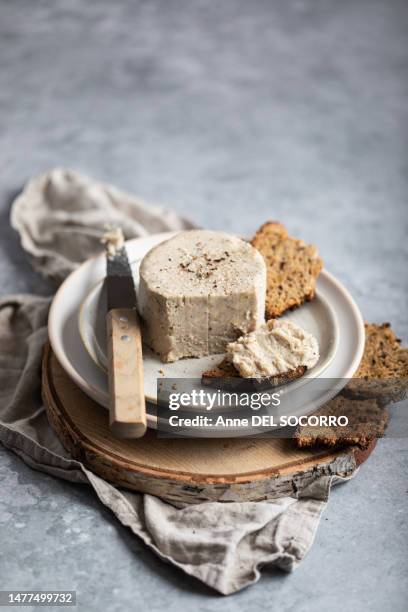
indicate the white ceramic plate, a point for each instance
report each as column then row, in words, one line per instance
column 333, row 317
column 317, row 317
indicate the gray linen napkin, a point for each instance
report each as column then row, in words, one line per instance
column 60, row 217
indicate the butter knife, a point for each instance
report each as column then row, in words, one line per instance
column 127, row 407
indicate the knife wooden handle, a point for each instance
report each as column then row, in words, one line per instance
column 127, row 408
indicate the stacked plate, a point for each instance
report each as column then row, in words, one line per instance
column 78, row 336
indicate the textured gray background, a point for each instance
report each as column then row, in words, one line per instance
column 231, row 112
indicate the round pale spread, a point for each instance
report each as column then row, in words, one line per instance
column 277, row 347
column 199, row 291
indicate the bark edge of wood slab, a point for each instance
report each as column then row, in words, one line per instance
column 127, row 407
column 185, row 471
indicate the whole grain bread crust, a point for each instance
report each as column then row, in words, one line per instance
column 381, row 378
column 225, row 375
column 292, row 268
column 383, row 371
column 367, row 421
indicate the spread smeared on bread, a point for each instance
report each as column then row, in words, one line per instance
column 277, row 347
column 275, row 353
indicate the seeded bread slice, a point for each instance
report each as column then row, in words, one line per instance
column 383, row 371
column 225, row 369
column 381, row 378
column 292, row 268
column 367, row 421
column 226, row 375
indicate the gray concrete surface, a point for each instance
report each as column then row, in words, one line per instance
column 232, row 112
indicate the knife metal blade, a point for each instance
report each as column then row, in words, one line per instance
column 120, row 286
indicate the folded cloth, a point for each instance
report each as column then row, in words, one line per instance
column 60, row 217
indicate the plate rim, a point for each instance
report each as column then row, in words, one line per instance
column 92, row 353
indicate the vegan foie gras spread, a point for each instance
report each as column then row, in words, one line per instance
column 276, row 347
column 199, row 291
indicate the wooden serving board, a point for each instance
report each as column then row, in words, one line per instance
column 184, row 471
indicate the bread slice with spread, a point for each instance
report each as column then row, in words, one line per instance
column 276, row 352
